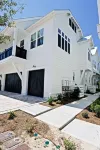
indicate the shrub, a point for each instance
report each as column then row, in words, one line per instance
column 29, row 129
column 85, row 115
column 11, row 115
column 50, row 100
column 69, row 145
column 59, row 97
column 76, row 92
column 97, row 110
column 92, row 106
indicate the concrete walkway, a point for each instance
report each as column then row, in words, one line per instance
column 8, row 104
column 61, row 116
column 35, row 109
column 84, row 131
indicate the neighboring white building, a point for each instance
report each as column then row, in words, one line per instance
column 43, row 53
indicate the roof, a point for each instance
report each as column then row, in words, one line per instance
column 94, row 50
column 45, row 18
column 85, row 38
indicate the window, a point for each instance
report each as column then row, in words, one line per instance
column 40, row 37
column 62, row 43
column 89, row 56
column 73, row 76
column 75, row 29
column 69, row 46
column 81, row 71
column 59, row 40
column 33, row 40
column 65, row 45
column 70, row 22
column 22, row 44
column 72, row 25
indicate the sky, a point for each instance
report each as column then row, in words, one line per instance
column 84, row 11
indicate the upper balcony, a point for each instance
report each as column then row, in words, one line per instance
column 19, row 52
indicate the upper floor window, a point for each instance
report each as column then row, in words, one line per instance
column 40, row 37
column 63, row 41
column 94, row 64
column 72, row 25
column 33, row 40
column 68, row 45
column 89, row 55
column 22, row 44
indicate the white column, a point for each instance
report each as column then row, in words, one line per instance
column 14, row 41
column 3, row 82
column 24, row 82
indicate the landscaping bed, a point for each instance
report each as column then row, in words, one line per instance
column 91, row 114
column 35, row 133
column 58, row 103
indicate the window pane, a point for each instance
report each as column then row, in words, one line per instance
column 63, row 43
column 33, row 37
column 40, row 33
column 72, row 25
column 59, row 40
column 22, row 43
column 75, row 29
column 68, row 40
column 70, row 22
column 59, row 31
column 33, row 44
column 62, row 34
column 65, row 37
column 69, row 48
column 40, row 41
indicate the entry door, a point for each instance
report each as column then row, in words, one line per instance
column 13, row 83
column 36, row 83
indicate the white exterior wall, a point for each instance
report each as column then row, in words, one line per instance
column 58, row 64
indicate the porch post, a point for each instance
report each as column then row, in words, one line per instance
column 14, row 41
column 3, row 82
column 24, row 82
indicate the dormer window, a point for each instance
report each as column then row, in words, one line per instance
column 72, row 25
column 22, row 44
column 89, row 55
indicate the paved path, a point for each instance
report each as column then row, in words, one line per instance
column 35, row 109
column 61, row 116
column 87, row 132
column 8, row 104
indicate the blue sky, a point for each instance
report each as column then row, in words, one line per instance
column 85, row 12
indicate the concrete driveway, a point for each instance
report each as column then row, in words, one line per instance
column 11, row 101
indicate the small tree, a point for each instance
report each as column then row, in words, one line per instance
column 8, row 8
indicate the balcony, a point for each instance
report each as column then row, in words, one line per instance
column 22, row 53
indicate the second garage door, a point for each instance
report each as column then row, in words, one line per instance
column 13, row 83
column 36, row 83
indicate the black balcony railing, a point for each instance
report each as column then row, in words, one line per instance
column 6, row 53
column 20, row 52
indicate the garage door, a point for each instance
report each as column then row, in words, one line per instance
column 36, row 83
column 13, row 83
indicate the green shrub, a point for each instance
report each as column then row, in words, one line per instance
column 76, row 93
column 11, row 115
column 97, row 110
column 50, row 100
column 69, row 145
column 85, row 115
column 92, row 106
column 59, row 97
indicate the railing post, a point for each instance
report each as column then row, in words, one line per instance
column 14, row 41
